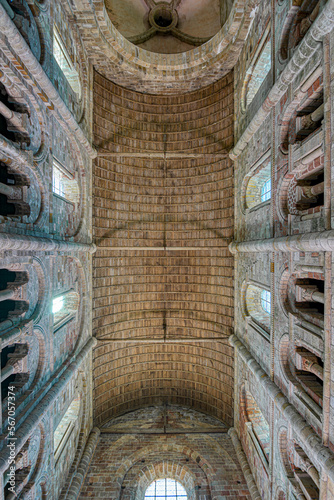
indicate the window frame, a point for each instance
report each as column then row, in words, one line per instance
column 266, row 193
column 264, row 40
column 70, row 314
column 70, row 73
column 254, row 181
column 64, row 173
column 66, row 434
column 266, row 301
column 176, row 496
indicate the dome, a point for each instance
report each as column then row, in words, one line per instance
column 170, row 26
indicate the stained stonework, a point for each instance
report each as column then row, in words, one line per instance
column 287, row 372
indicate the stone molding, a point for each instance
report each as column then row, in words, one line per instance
column 244, row 464
column 84, row 464
column 33, row 243
column 322, row 241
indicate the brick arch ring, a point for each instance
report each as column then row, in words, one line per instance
column 161, row 470
column 190, row 453
column 153, row 468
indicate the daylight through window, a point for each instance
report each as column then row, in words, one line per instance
column 64, row 62
column 165, row 489
column 57, row 304
column 266, row 190
column 65, row 427
column 266, row 300
column 57, row 185
column 64, row 184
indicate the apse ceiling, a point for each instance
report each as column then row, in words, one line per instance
column 163, row 47
column 166, row 27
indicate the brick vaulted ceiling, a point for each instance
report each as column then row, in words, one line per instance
column 163, row 275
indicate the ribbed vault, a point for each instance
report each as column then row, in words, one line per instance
column 163, row 218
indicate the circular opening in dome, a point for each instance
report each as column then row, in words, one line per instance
column 166, row 489
column 163, row 18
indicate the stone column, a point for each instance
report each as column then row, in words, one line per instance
column 323, row 241
column 244, row 464
column 32, row 243
column 79, row 476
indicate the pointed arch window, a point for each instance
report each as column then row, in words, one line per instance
column 163, row 489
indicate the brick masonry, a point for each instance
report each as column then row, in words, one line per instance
column 169, row 185
column 205, row 464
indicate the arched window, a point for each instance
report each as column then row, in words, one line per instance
column 266, row 190
column 63, row 183
column 164, row 489
column 65, row 428
column 258, row 188
column 64, row 62
column 266, row 301
column 63, row 308
column 258, row 307
column 257, row 427
column 259, row 72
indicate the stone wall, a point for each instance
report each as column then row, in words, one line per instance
column 288, row 372
column 204, row 463
column 45, row 251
